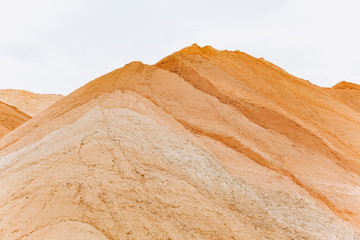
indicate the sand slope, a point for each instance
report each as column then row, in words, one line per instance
column 28, row 102
column 205, row 144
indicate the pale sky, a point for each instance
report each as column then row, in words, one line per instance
column 57, row 46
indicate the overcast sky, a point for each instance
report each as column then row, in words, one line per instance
column 57, row 46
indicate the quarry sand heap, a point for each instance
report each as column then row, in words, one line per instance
column 205, row 144
column 28, row 102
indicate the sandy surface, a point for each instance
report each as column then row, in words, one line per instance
column 205, row 144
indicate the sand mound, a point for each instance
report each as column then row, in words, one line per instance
column 347, row 93
column 205, row 144
column 346, row 85
column 28, row 102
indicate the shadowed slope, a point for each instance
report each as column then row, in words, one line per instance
column 10, row 118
